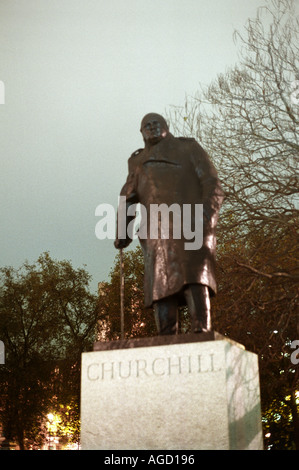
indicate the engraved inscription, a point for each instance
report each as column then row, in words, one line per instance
column 157, row 367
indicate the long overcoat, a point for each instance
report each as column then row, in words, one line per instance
column 175, row 171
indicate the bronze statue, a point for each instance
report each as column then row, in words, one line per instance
column 176, row 173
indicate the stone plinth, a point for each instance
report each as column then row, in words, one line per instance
column 199, row 392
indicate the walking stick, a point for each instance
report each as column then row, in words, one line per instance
column 122, row 291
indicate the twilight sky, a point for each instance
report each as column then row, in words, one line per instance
column 79, row 75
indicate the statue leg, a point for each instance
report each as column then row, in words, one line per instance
column 198, row 301
column 165, row 311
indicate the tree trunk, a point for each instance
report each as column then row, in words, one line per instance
column 20, row 437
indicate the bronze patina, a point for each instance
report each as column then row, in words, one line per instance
column 176, row 172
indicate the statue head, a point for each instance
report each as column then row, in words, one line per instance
column 154, row 128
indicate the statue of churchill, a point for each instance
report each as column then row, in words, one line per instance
column 179, row 173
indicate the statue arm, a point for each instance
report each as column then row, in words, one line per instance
column 128, row 197
column 212, row 193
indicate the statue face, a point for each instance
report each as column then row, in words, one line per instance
column 153, row 129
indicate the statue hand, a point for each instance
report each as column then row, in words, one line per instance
column 121, row 243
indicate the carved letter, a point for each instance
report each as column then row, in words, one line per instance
column 111, row 370
column 141, row 366
column 92, row 376
column 177, row 365
column 155, row 372
column 129, row 370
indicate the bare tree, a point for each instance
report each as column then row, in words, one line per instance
column 248, row 120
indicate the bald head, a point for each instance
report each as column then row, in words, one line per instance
column 154, row 128
column 153, row 117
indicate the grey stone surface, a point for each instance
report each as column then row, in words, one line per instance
column 193, row 395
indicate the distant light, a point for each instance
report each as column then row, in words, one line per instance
column 50, row 417
column 268, row 434
column 275, row 332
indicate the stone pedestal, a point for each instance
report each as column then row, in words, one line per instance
column 183, row 392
